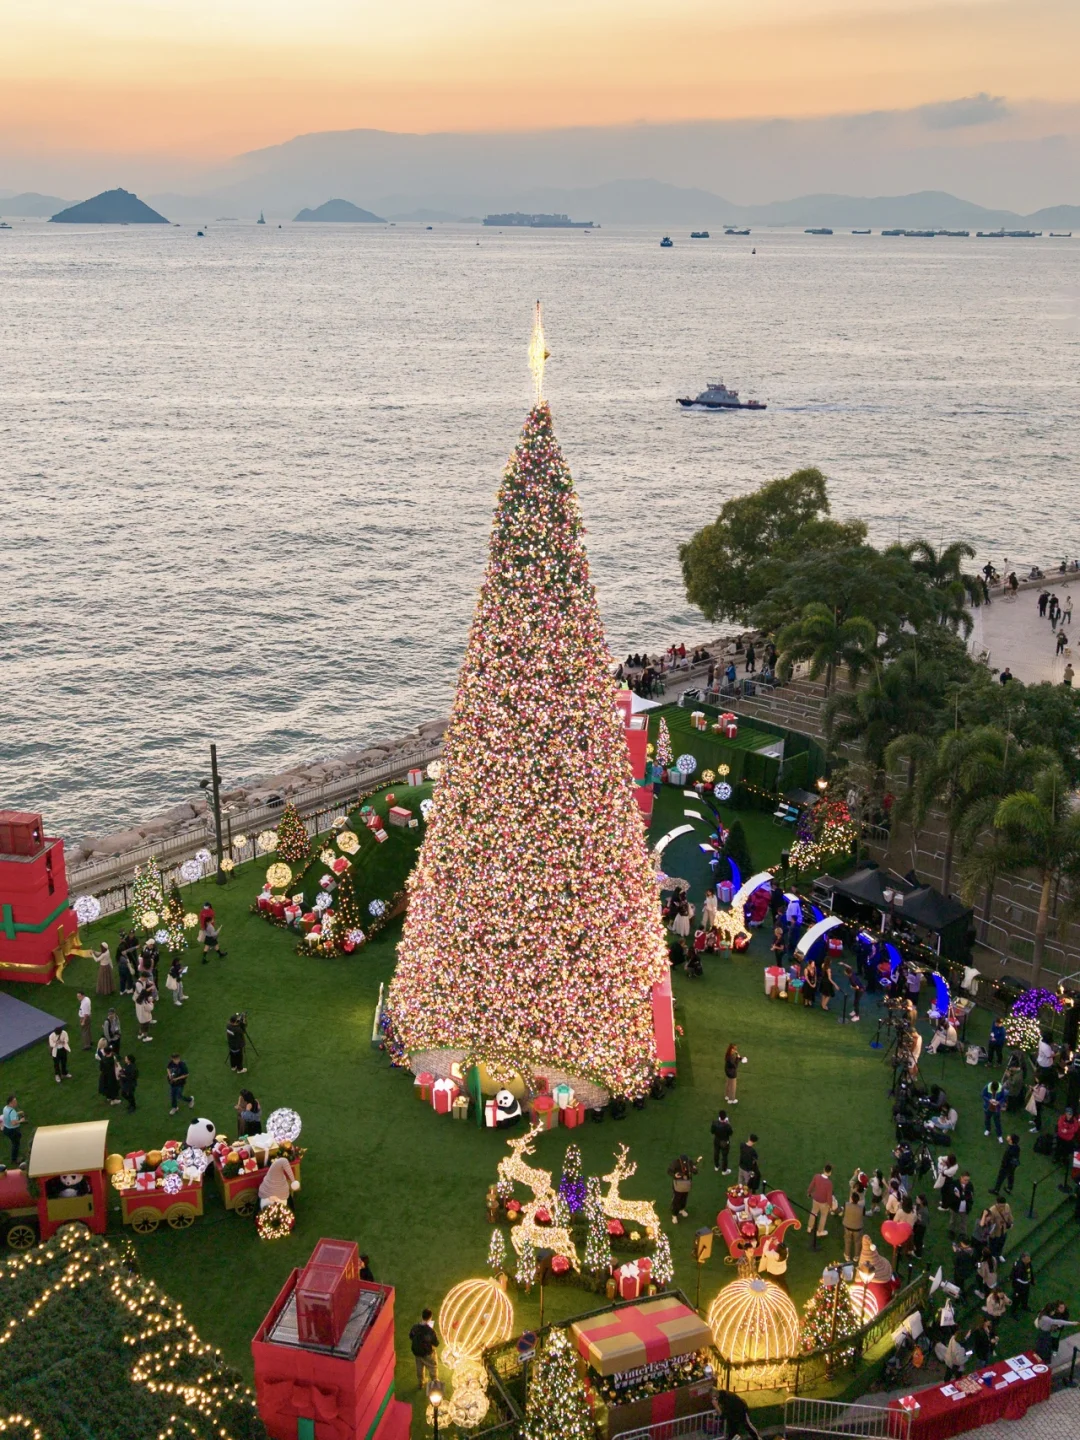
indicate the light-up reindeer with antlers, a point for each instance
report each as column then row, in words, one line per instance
column 513, row 1168
column 637, row 1212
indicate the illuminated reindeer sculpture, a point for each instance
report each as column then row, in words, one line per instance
column 637, row 1212
column 512, row 1167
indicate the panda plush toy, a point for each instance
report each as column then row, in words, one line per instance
column 201, row 1134
column 507, row 1109
column 71, row 1185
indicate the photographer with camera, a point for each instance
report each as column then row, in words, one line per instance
column 236, row 1035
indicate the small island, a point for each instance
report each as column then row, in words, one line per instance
column 342, row 210
column 540, row 222
column 111, row 207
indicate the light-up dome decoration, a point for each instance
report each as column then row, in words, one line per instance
column 753, row 1320
column 474, row 1315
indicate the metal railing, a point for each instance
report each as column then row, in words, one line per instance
column 110, row 877
column 686, row 1427
column 834, row 1417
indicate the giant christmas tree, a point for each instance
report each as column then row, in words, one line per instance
column 533, row 936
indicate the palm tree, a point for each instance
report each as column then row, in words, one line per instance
column 898, row 699
column 953, row 589
column 950, row 773
column 818, row 636
column 1035, row 828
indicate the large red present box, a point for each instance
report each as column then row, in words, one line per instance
column 632, row 1277
column 731, row 730
column 399, row 815
column 639, row 1334
column 325, row 1296
column 423, row 1082
column 572, row 1115
column 443, row 1095
column 543, row 1108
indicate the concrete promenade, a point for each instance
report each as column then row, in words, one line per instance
column 1012, row 634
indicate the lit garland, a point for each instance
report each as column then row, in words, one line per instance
column 557, row 1407
column 533, row 933
column 1034, row 1000
column 276, row 1221
column 1022, row 1033
column 185, row 1388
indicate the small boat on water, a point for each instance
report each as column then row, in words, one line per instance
column 717, row 396
column 862, row 232
column 731, row 230
column 892, row 234
column 1054, row 234
column 4, row 225
column 261, row 220
column 667, row 243
column 699, row 235
column 818, row 230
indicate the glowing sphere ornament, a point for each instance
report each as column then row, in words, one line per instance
column 278, row 876
column 474, row 1315
column 283, row 1124
column 349, row 842
column 87, row 908
column 190, row 870
column 686, row 764
column 753, row 1320
column 723, row 791
column 240, row 841
column 434, row 770
column 266, row 842
column 191, row 921
column 149, row 919
column 203, row 856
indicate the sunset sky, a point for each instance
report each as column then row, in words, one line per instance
column 210, row 78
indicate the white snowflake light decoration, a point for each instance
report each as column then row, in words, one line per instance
column 203, row 857
column 723, row 791
column 240, row 841
column 426, row 808
column 87, row 908
column 323, row 901
column 354, row 937
column 172, row 1183
column 190, row 870
column 434, row 770
column 377, row 908
column 192, row 1159
column 161, row 936
column 283, row 1124
column 686, row 764
column 266, row 842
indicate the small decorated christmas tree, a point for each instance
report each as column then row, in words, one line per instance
column 572, row 1184
column 829, row 1315
column 348, row 917
column 598, row 1241
column 526, row 1270
column 663, row 1268
column 497, row 1253
column 664, row 752
column 172, row 920
column 293, row 845
column 557, row 1407
column 147, row 896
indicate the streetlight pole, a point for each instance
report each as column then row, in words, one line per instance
column 214, row 786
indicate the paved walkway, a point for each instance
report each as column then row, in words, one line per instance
column 1013, row 634
column 1055, row 1419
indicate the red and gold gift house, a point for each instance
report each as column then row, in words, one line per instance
column 38, row 928
column 636, row 731
column 642, row 1333
column 341, row 1390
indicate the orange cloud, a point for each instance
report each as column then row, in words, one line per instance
column 194, row 82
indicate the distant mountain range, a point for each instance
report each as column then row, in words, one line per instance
column 341, row 211
column 32, row 205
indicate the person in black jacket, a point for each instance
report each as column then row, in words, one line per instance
column 1010, row 1160
column 721, row 1144
column 682, row 1171
column 963, row 1202
column 1022, row 1277
column 748, row 1160
column 128, row 1076
column 423, row 1341
column 736, row 1414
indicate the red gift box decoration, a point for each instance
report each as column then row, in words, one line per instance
column 134, row 1159
column 731, row 730
column 542, row 1216
column 543, row 1108
column 572, row 1115
column 424, row 1081
column 146, row 1181
column 615, row 1228
column 340, row 864
column 443, row 1095
column 559, row 1264
column 632, row 1277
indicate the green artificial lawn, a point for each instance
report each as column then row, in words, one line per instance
column 382, row 1168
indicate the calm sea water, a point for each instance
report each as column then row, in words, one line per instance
column 247, row 479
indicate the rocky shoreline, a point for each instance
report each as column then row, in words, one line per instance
column 192, row 816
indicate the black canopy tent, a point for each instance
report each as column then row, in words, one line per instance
column 946, row 919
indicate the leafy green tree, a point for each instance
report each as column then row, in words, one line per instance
column 1034, row 714
column 730, row 566
column 849, row 580
column 828, row 643
column 952, row 588
column 948, row 774
column 1037, row 829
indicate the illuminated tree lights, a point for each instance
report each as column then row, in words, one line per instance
column 664, row 752
column 147, row 896
column 824, row 831
column 293, row 844
column 557, row 1407
column 136, row 1354
column 533, row 934
column 829, row 1315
